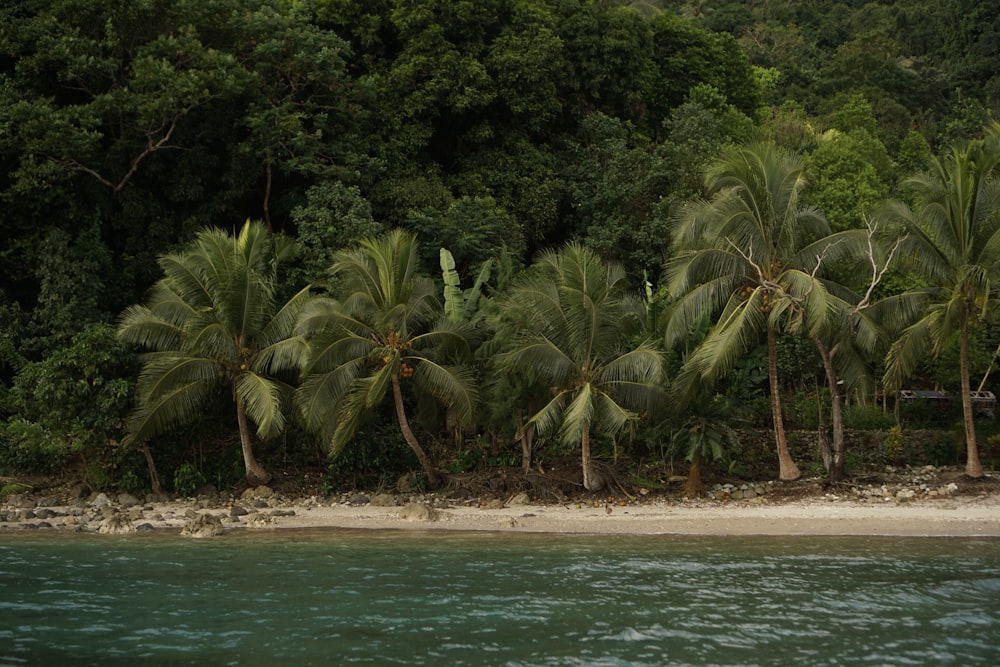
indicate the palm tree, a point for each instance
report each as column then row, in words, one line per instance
column 569, row 320
column 387, row 329
column 953, row 245
column 854, row 333
column 212, row 320
column 752, row 253
column 705, row 435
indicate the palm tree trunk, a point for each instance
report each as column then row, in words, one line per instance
column 256, row 475
column 693, row 487
column 433, row 478
column 787, row 470
column 591, row 480
column 526, row 437
column 972, row 465
column 154, row 478
column 836, row 469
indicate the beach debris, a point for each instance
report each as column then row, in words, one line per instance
column 205, row 525
column 257, row 493
column 383, row 500
column 259, row 520
column 418, row 512
column 520, row 499
column 117, row 524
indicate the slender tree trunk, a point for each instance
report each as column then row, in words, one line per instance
column 154, row 478
column 268, row 179
column 591, row 480
column 836, row 470
column 787, row 470
column 256, row 475
column 527, row 436
column 972, row 465
column 433, row 478
column 693, row 488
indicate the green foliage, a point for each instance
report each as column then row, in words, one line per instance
column 386, row 329
column 188, row 479
column 125, row 127
column 215, row 320
column 914, row 153
column 567, row 325
column 868, row 417
column 708, row 436
column 850, row 174
column 953, row 243
column 615, row 189
column 731, row 255
column 69, row 404
column 473, row 229
column 334, row 217
column 894, row 445
column 462, row 305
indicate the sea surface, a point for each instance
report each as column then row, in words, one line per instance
column 296, row 598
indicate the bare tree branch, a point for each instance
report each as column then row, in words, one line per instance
column 877, row 272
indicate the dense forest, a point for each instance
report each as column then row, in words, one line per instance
column 442, row 235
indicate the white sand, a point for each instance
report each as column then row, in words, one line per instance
column 958, row 516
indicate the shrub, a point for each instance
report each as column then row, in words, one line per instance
column 188, row 479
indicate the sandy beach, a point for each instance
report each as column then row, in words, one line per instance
column 972, row 511
column 966, row 517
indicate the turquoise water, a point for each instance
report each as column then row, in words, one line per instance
column 383, row 598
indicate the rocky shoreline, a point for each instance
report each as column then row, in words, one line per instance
column 912, row 501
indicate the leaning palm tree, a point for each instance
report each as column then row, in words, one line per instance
column 214, row 319
column 387, row 329
column 750, row 254
column 568, row 322
column 953, row 245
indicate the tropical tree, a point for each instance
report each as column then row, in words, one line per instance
column 706, row 435
column 856, row 332
column 953, row 245
column 570, row 322
column 214, row 320
column 386, row 329
column 750, row 253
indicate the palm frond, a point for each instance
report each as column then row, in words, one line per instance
column 689, row 312
column 542, row 359
column 175, row 407
column 908, row 349
column 282, row 322
column 332, row 349
column 319, row 394
column 169, row 392
column 213, row 341
column 141, row 326
column 730, row 338
column 452, row 386
column 262, row 399
column 550, row 416
column 642, row 364
column 578, row 415
column 346, row 418
column 610, row 415
column 284, row 356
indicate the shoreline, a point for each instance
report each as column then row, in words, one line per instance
column 956, row 516
column 953, row 518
